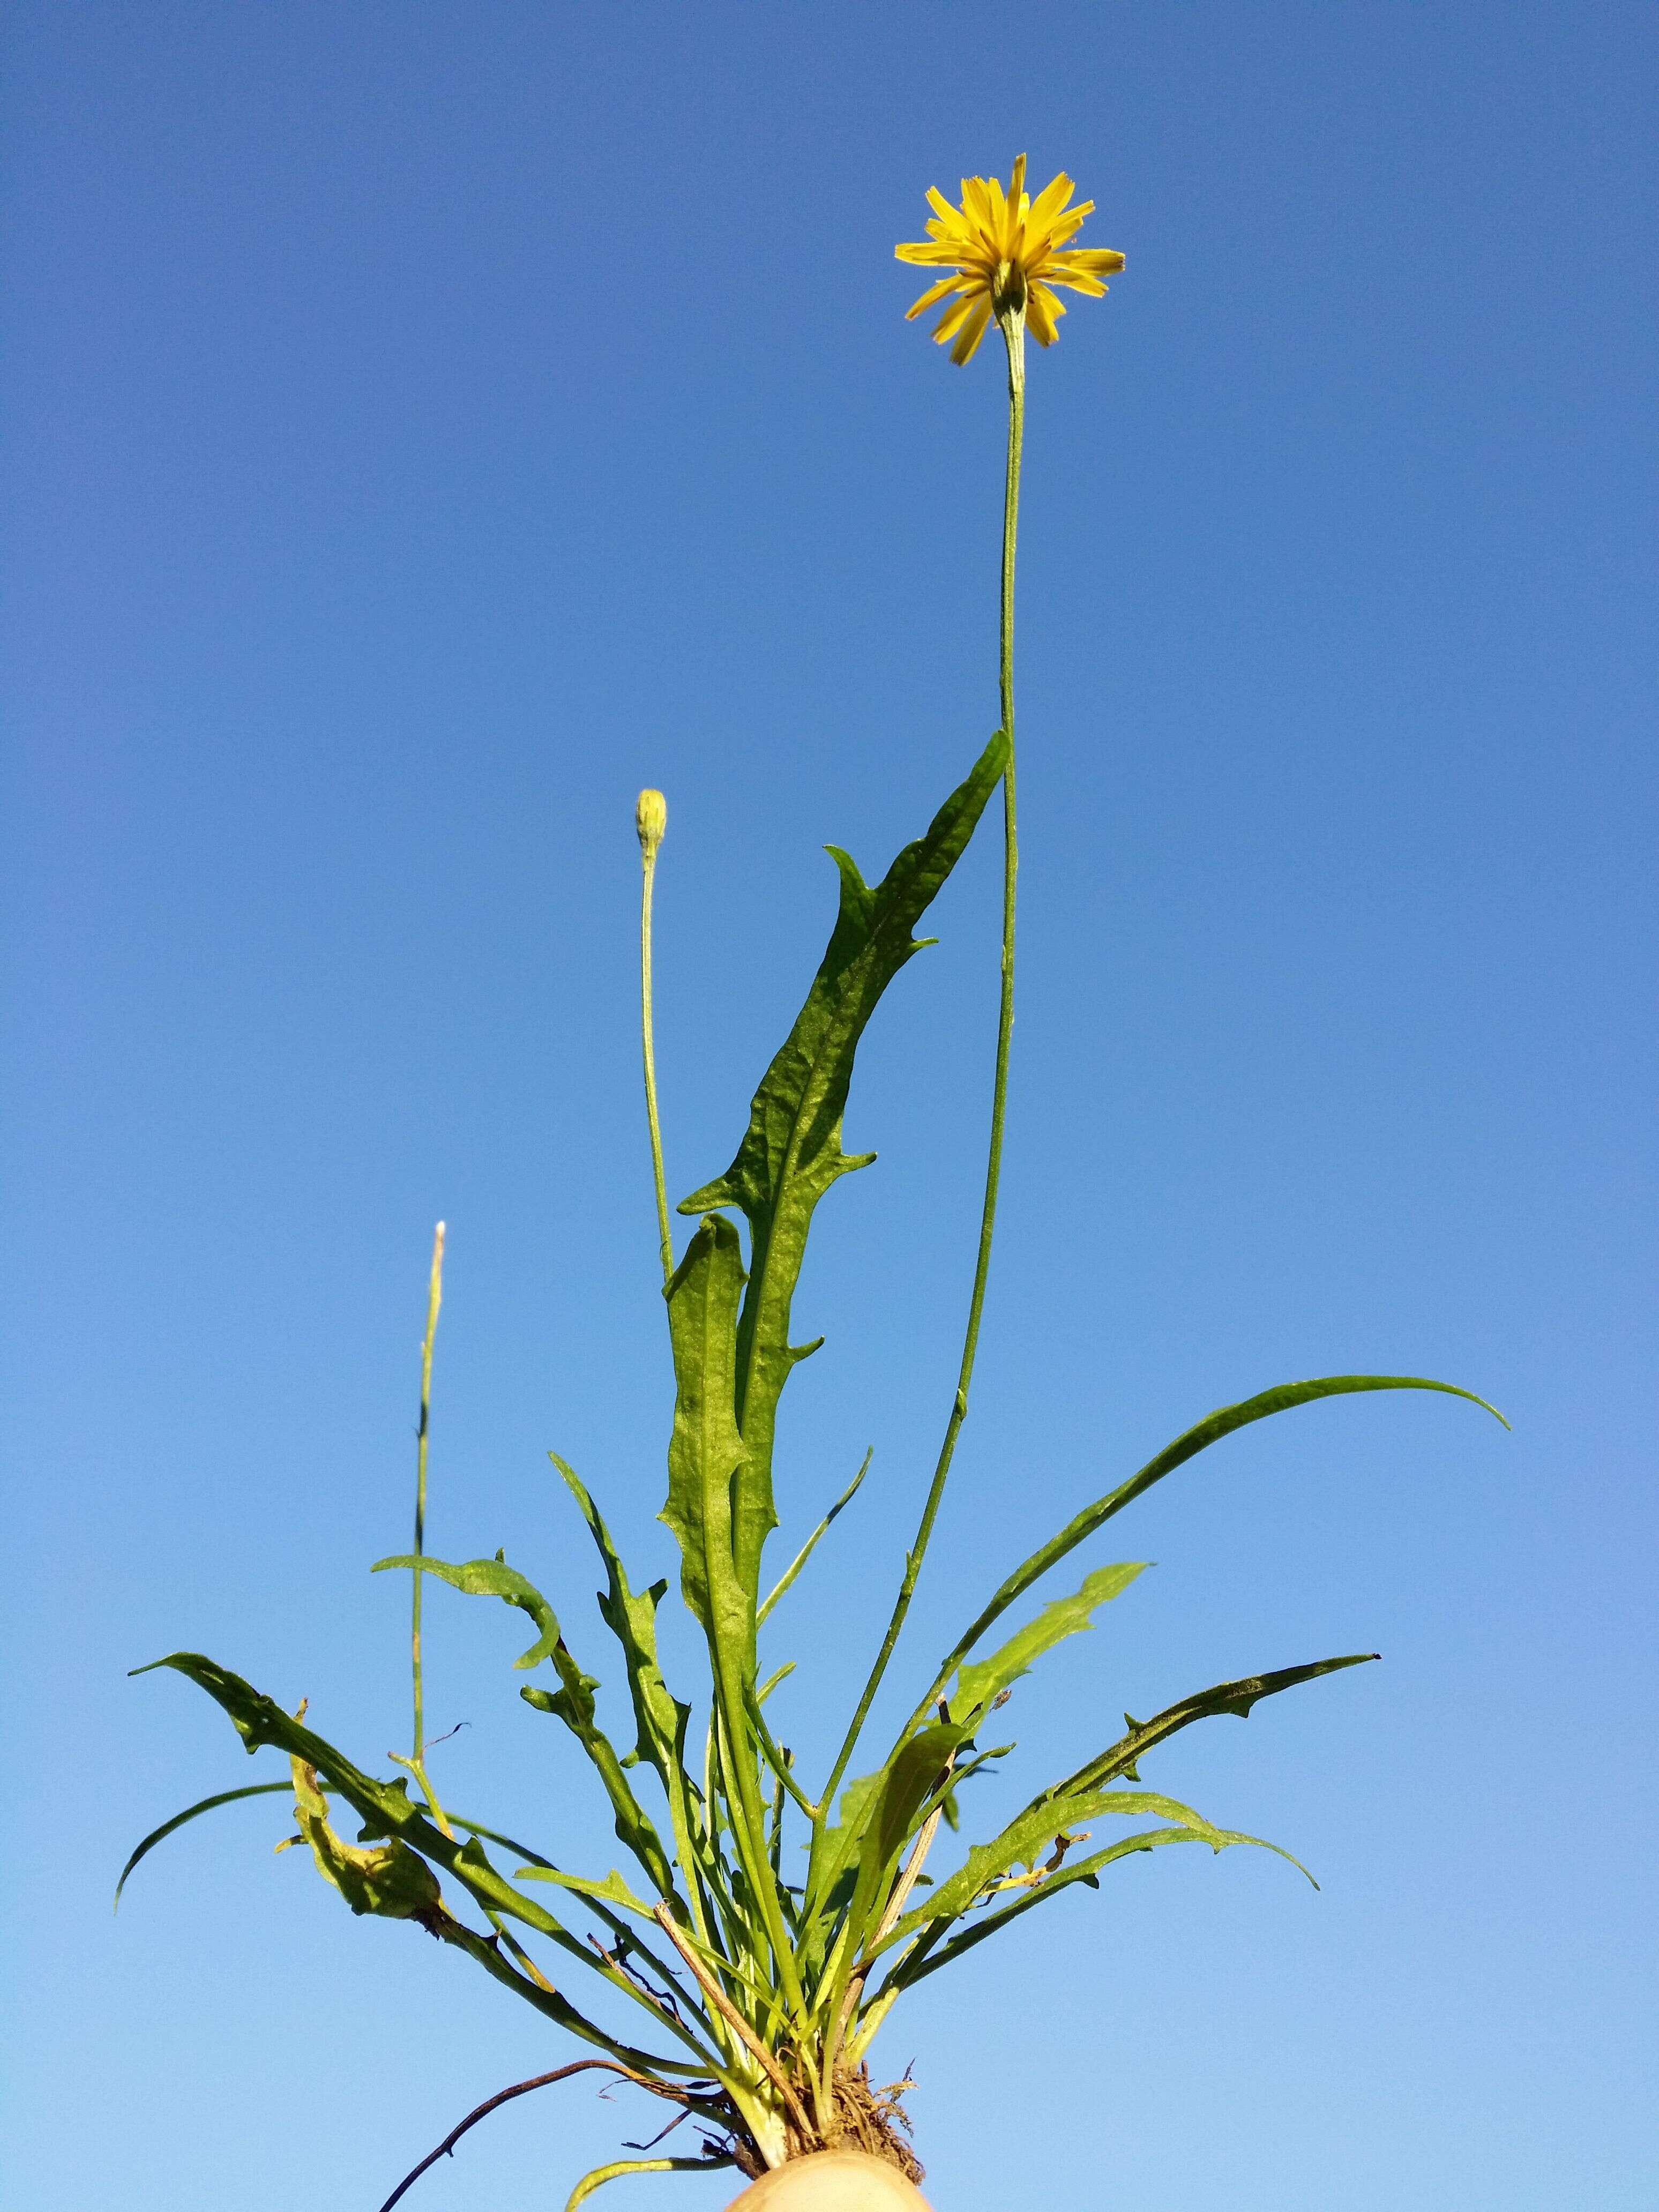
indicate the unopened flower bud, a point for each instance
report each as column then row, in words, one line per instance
column 651, row 820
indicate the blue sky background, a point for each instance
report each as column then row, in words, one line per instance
column 427, row 424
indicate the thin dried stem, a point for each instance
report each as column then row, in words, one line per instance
column 729, row 2013
column 447, row 2147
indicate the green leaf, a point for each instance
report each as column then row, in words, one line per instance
column 620, row 2166
column 906, row 1784
column 385, row 1810
column 631, row 1617
column 574, row 1705
column 573, row 1702
column 193, row 1812
column 1237, row 1697
column 707, row 1459
column 493, row 1578
column 387, row 1880
column 917, row 1965
column 1085, row 1795
column 1203, row 1433
column 977, row 1686
column 706, row 1452
column 1025, row 1838
column 911, row 1780
column 613, row 1890
column 792, row 1152
column 835, row 1846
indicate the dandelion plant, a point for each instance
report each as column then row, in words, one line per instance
column 748, row 2002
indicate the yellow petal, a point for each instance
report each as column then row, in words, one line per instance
column 933, row 292
column 1050, row 200
column 972, row 331
column 1042, row 311
column 926, row 253
column 1077, row 279
column 1016, row 178
column 1067, row 225
column 957, row 314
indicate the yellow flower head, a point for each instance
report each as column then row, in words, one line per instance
column 1005, row 251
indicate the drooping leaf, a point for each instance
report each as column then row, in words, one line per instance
column 792, row 1152
column 385, row 1810
column 1186, row 1446
column 573, row 1702
column 387, row 1880
column 285, row 1789
column 978, row 1684
column 1030, row 1834
column 917, row 1965
column 493, row 1578
column 618, row 2167
column 194, row 1812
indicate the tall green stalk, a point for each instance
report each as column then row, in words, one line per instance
column 1012, row 325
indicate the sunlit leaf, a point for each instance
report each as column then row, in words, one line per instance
column 1186, row 1446
column 977, row 1685
column 492, row 1578
column 631, row 1618
column 1237, row 1698
column 792, row 1152
column 1026, row 1837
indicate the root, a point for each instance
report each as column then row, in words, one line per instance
column 866, row 2117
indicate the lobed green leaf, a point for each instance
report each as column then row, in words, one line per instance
column 491, row 1578
column 631, row 1617
column 977, row 1685
column 1025, row 1838
column 792, row 1151
column 1237, row 1698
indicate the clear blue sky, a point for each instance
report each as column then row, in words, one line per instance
column 427, row 424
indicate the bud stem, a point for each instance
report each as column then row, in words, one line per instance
column 652, row 819
column 434, row 1296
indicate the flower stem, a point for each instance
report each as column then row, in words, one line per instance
column 1013, row 330
column 433, row 1300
